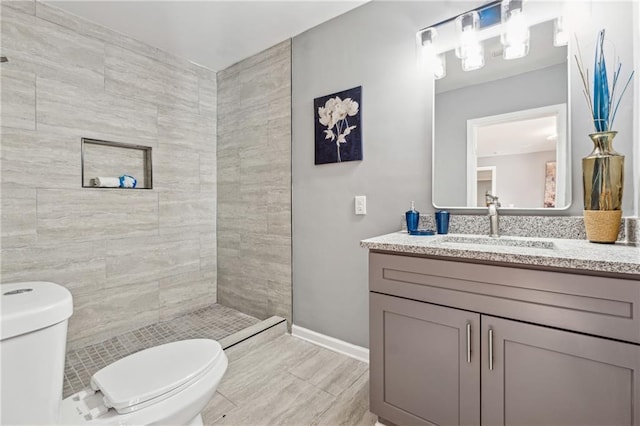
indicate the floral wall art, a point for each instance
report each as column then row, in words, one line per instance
column 338, row 126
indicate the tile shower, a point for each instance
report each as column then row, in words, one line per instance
column 141, row 264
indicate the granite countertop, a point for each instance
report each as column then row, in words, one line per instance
column 621, row 258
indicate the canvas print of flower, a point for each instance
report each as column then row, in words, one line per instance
column 338, row 126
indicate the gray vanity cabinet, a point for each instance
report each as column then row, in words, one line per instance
column 425, row 362
column 543, row 376
column 454, row 343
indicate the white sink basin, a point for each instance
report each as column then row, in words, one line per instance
column 498, row 241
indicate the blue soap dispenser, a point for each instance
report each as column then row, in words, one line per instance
column 413, row 217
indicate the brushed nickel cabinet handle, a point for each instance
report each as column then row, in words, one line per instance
column 490, row 349
column 468, row 343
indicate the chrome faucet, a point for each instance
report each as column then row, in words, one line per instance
column 493, row 204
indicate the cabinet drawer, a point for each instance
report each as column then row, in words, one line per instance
column 608, row 307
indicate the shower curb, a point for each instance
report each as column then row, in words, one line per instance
column 238, row 344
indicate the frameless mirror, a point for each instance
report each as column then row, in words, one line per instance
column 503, row 128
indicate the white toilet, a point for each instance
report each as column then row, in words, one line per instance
column 167, row 384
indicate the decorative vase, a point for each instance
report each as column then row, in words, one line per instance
column 603, row 181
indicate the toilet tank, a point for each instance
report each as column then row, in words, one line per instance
column 33, row 335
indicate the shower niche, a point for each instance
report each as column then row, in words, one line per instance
column 114, row 159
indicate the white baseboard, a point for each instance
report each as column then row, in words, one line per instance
column 336, row 345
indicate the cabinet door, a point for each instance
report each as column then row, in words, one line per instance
column 425, row 363
column 543, row 376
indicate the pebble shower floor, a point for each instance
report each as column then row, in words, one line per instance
column 213, row 322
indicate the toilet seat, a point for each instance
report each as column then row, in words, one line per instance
column 133, row 382
column 175, row 401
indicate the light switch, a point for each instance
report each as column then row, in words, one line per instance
column 361, row 204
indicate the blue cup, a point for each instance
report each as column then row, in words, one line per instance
column 442, row 222
column 413, row 218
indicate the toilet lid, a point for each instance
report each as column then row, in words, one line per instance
column 155, row 373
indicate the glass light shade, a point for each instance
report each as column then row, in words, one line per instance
column 560, row 33
column 515, row 31
column 467, row 30
column 515, row 51
column 434, row 61
column 473, row 61
column 439, row 67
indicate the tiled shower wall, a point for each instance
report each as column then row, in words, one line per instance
column 130, row 257
column 254, row 184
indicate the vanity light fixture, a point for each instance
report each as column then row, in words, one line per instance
column 437, row 62
column 515, row 32
column 560, row 33
column 470, row 50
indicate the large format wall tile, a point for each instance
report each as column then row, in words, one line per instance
column 267, row 82
column 129, row 257
column 279, row 212
column 18, row 99
column 176, row 168
column 150, row 80
column 279, row 299
column 93, row 113
column 254, row 184
column 26, row 6
column 279, row 130
column 48, row 50
column 247, row 296
column 38, row 159
column 105, row 313
column 185, row 211
column 18, row 216
column 264, row 169
column 77, row 266
column 191, row 290
column 94, row 214
column 208, row 169
column 152, row 258
column 275, row 249
column 207, row 92
column 256, row 268
column 184, row 128
column 208, row 253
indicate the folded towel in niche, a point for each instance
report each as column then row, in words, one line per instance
column 106, row 182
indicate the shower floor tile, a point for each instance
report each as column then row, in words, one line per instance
column 213, row 322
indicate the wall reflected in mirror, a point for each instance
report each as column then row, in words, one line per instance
column 517, row 146
column 498, row 128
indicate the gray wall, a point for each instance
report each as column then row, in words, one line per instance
column 535, row 89
column 636, row 106
column 520, row 178
column 374, row 46
column 129, row 257
column 254, row 184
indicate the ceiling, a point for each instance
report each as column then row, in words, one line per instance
column 517, row 137
column 215, row 34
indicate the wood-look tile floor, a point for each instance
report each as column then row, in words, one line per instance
column 288, row 381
